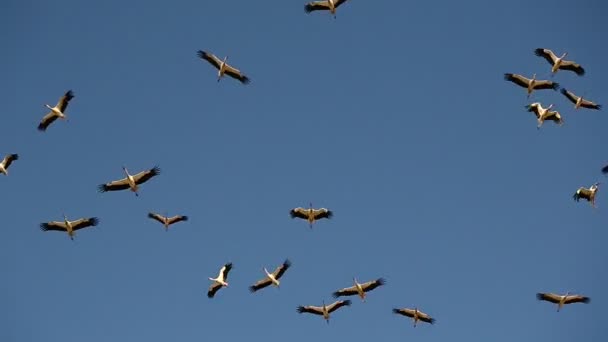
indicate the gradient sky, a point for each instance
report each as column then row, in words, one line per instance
column 395, row 116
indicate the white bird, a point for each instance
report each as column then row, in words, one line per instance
column 310, row 214
column 416, row 314
column 271, row 278
column 587, row 194
column 531, row 84
column 69, row 226
column 359, row 289
column 324, row 310
column 56, row 112
column 559, row 62
column 6, row 162
column 324, row 5
column 579, row 101
column 223, row 67
column 167, row 221
column 220, row 281
column 543, row 114
column 130, row 182
column 561, row 300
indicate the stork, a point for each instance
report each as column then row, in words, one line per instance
column 131, row 181
column 69, row 226
column 359, row 289
column 6, row 162
column 167, row 221
column 559, row 62
column 56, row 112
column 562, row 300
column 531, row 84
column 587, row 193
column 324, row 310
column 220, row 281
column 324, row 5
column 311, row 214
column 416, row 314
column 579, row 101
column 543, row 114
column 222, row 67
column 271, row 278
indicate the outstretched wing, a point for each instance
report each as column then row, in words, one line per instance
column 64, row 100
column 572, row 66
column 544, row 84
column 53, row 225
column 569, row 95
column 322, row 213
column 546, row 54
column 577, row 299
column 517, row 79
column 404, row 312
column 213, row 289
column 209, row 57
column 114, row 185
column 8, row 160
column 144, row 176
column 316, row 6
column 280, row 270
column 260, row 284
column 299, row 213
column 156, row 217
column 85, row 222
column 315, row 310
column 225, row 270
column 549, row 297
column 177, row 218
column 237, row 74
column 46, row 121
column 349, row 291
column 338, row 304
column 370, row 285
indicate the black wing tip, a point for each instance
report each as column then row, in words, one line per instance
column 555, row 86
column 432, row 321
column 330, row 214
column 564, row 91
column 287, row 263
column 598, row 107
column 184, row 218
column 397, row 311
column 292, row 213
column 245, row 80
column 381, row 281
column 94, row 221
column 539, row 52
column 252, row 289
column 210, row 294
column 308, row 8
column 347, row 302
column 586, row 300
column 508, row 76
column 151, row 215
column 155, row 170
column 605, row 169
column 41, row 127
column 102, row 188
column 300, row 309
column 336, row 294
column 44, row 226
column 540, row 296
column 14, row 156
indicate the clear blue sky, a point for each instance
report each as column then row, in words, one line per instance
column 395, row 116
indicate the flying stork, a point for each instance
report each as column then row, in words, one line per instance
column 416, row 314
column 222, row 67
column 56, row 112
column 271, row 278
column 531, row 84
column 69, row 226
column 324, row 5
column 559, row 62
column 167, row 221
column 561, row 300
column 6, row 162
column 579, row 101
column 587, row 193
column 324, row 310
column 310, row 214
column 130, row 182
column 543, row 114
column 359, row 289
column 220, row 281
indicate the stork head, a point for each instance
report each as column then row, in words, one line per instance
column 534, row 76
column 354, row 280
column 65, row 218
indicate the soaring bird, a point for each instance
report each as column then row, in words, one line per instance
column 543, row 114
column 587, row 194
column 310, row 214
column 359, row 289
column 167, row 221
column 324, row 5
column 6, row 162
column 559, row 62
column 531, row 84
column 415, row 314
column 271, row 278
column 130, row 182
column 223, row 67
column 69, row 226
column 56, row 112
column 579, row 101
column 561, row 300
column 220, row 281
column 324, row 310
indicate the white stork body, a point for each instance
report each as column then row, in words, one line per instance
column 6, row 162
column 271, row 278
column 69, row 226
column 559, row 62
column 531, row 84
column 310, row 214
column 130, row 182
column 222, row 67
column 543, row 114
column 167, row 221
column 324, row 310
column 220, row 281
column 587, row 194
column 324, row 5
column 415, row 314
column 562, row 300
column 579, row 101
column 56, row 112
column 360, row 289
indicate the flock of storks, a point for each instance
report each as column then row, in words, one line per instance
column 132, row 182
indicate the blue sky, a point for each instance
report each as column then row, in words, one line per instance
column 395, row 116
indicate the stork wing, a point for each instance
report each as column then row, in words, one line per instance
column 177, row 218
column 53, row 225
column 114, row 185
column 260, row 284
column 337, row 304
column 278, row 272
column 426, row 318
column 577, row 299
column 298, row 212
column 570, row 95
column 209, row 57
column 534, row 108
column 143, row 176
column 156, row 217
column 237, row 74
column 572, row 66
column 316, row 6
column 546, row 54
column 554, row 116
column 46, row 121
column 544, row 84
column 213, row 289
column 590, row 105
column 64, row 100
column 549, row 297
column 517, row 79
column 404, row 312
column 225, row 270
column 85, row 222
column 315, row 310
column 322, row 213
column 370, row 285
column 8, row 160
column 349, row 291
column 339, row 2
